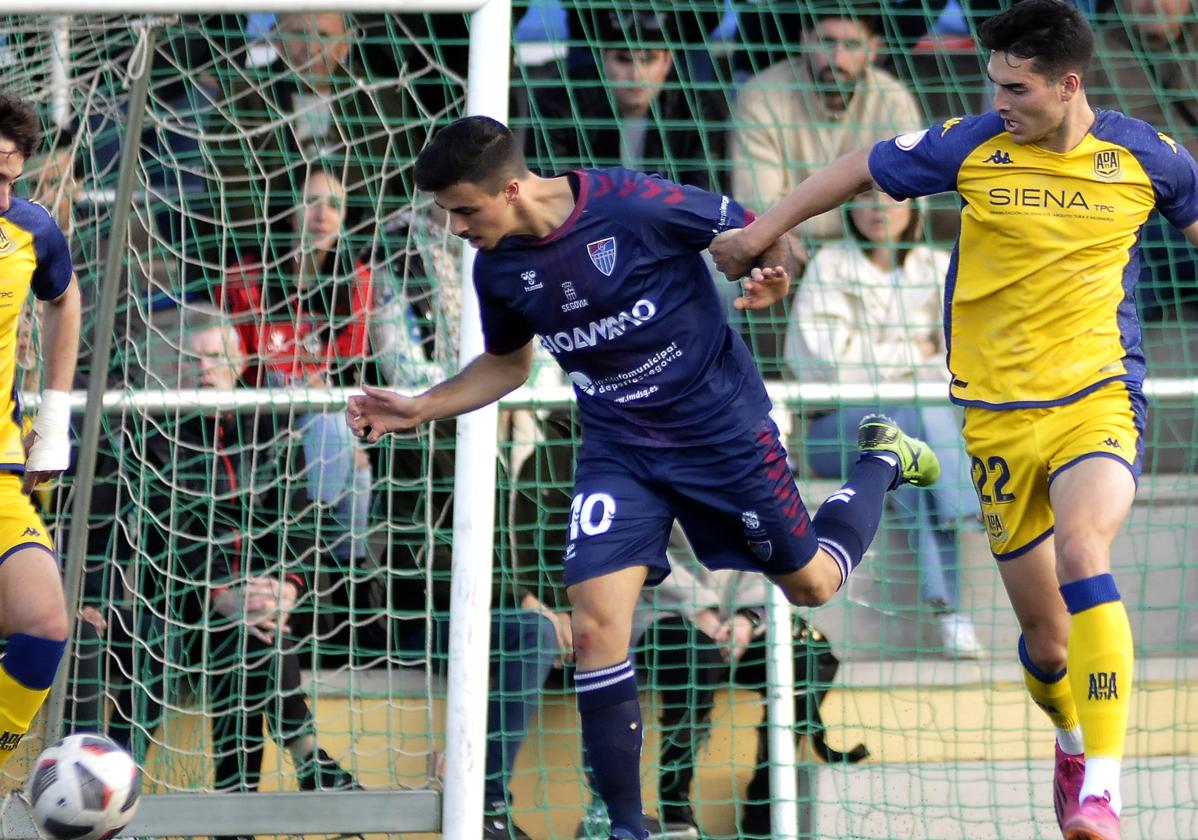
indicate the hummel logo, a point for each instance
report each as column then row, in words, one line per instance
column 530, row 281
column 32, row 532
column 845, row 494
column 999, row 156
column 1112, row 443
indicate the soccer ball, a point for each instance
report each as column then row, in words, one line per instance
column 84, row 787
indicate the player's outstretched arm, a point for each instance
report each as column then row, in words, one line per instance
column 736, row 251
column 379, row 411
column 48, row 445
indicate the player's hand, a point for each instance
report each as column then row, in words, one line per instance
column 763, row 288
column 42, row 461
column 378, row 412
column 263, row 605
column 731, row 254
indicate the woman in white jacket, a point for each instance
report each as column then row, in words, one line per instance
column 869, row 310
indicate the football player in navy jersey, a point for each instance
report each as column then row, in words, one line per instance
column 604, row 269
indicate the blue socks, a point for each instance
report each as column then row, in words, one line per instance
column 847, row 521
column 611, row 737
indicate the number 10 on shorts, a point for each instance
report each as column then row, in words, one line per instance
column 591, row 514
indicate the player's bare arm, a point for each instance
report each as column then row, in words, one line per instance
column 736, row 251
column 48, row 445
column 379, row 411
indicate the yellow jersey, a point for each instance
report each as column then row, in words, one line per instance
column 1039, row 306
column 33, row 255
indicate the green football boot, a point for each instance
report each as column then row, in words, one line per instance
column 918, row 464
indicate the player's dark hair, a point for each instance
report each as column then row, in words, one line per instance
column 1052, row 33
column 19, row 123
column 906, row 238
column 474, row 150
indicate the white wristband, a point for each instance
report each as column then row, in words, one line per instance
column 51, row 450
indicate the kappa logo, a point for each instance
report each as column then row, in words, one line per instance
column 603, row 255
column 1112, row 443
column 999, row 157
column 31, row 532
column 530, row 281
column 1106, row 164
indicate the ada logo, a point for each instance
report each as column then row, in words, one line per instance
column 6, row 244
column 1106, row 164
column 603, row 255
column 996, row 528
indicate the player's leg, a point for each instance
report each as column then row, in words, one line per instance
column 33, row 620
column 1031, row 583
column 617, row 537
column 847, row 521
column 608, row 705
column 1091, row 499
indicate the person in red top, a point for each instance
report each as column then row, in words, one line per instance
column 302, row 309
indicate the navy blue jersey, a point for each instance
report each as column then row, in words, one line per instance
column 622, row 299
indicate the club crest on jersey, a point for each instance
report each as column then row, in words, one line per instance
column 1106, row 164
column 603, row 254
column 6, row 244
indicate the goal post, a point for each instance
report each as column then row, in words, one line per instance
column 460, row 802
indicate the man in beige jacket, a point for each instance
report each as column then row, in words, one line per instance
column 799, row 115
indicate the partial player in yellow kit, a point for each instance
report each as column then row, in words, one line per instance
column 33, row 256
column 1044, row 349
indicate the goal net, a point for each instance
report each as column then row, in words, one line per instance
column 277, row 252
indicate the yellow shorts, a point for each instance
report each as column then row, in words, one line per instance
column 20, row 526
column 1015, row 454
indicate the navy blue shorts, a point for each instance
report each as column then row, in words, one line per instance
column 737, row 502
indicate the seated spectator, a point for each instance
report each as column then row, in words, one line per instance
column 1147, row 67
column 302, row 308
column 529, row 638
column 204, row 597
column 868, row 310
column 307, row 104
column 631, row 110
column 725, row 611
column 799, row 115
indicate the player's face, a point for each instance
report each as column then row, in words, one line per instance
column 477, row 215
column 1032, row 106
column 838, row 51
column 880, row 218
column 636, row 77
column 12, row 164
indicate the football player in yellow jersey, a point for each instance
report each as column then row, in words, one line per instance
column 1044, row 347
column 33, row 256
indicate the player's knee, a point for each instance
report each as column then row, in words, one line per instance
column 1081, row 554
column 1047, row 644
column 809, row 590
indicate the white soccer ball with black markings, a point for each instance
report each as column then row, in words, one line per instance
column 84, row 787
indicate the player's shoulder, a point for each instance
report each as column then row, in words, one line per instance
column 33, row 217
column 620, row 194
column 952, row 139
column 1137, row 136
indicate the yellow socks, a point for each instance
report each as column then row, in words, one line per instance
column 1054, row 694
column 18, row 707
column 1100, row 662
